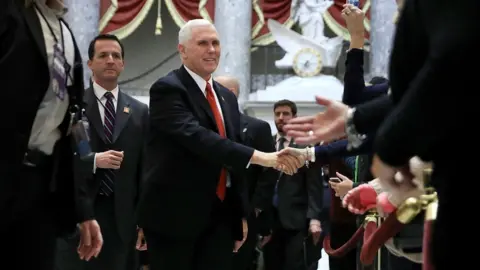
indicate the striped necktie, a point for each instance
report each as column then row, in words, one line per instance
column 108, row 178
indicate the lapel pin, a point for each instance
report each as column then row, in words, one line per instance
column 245, row 130
column 126, row 109
column 223, row 99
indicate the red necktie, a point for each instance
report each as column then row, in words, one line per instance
column 222, row 183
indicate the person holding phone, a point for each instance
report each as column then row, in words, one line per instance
column 341, row 184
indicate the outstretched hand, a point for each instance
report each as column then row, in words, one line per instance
column 288, row 164
column 324, row 126
column 300, row 156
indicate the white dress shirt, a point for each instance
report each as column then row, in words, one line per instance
column 51, row 112
column 102, row 100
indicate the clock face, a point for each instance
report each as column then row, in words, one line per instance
column 307, row 63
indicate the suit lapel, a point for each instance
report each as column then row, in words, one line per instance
column 93, row 114
column 36, row 29
column 225, row 111
column 122, row 115
column 196, row 93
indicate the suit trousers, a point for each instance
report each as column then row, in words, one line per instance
column 285, row 251
column 28, row 226
column 211, row 250
column 115, row 254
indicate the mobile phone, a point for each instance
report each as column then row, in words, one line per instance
column 354, row 2
column 335, row 180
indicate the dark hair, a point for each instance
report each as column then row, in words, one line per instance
column 91, row 47
column 286, row 102
column 378, row 80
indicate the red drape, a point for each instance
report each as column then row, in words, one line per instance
column 117, row 15
column 184, row 10
column 121, row 13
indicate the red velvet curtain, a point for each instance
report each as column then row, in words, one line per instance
column 116, row 15
column 278, row 10
column 125, row 12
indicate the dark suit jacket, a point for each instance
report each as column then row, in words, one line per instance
column 185, row 155
column 128, row 136
column 21, row 41
column 260, row 181
column 432, row 93
column 300, row 196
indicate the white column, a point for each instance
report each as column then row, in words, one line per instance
column 381, row 35
column 83, row 17
column 233, row 20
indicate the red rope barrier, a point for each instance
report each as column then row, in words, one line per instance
column 427, row 230
column 390, row 227
column 345, row 248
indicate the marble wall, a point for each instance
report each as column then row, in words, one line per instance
column 381, row 34
column 233, row 23
column 83, row 17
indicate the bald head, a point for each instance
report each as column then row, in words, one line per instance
column 229, row 82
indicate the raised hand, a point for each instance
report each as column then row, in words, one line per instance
column 324, row 126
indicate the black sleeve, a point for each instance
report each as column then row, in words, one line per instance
column 266, row 179
column 169, row 114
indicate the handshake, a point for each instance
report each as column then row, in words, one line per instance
column 288, row 160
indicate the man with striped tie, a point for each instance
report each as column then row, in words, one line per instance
column 118, row 124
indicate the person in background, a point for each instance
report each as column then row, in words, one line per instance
column 261, row 181
column 117, row 165
column 296, row 205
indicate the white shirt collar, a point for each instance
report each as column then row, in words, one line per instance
column 100, row 91
column 59, row 8
column 202, row 84
column 287, row 138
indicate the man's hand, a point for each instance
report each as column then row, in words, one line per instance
column 110, row 159
column 316, row 230
column 343, row 187
column 264, row 241
column 141, row 243
column 91, row 240
column 300, row 154
column 324, row 126
column 238, row 244
column 288, row 164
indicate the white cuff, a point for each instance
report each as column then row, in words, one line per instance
column 94, row 164
column 312, row 156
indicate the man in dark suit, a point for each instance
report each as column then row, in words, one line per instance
column 40, row 195
column 118, row 126
column 255, row 133
column 297, row 204
column 192, row 208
